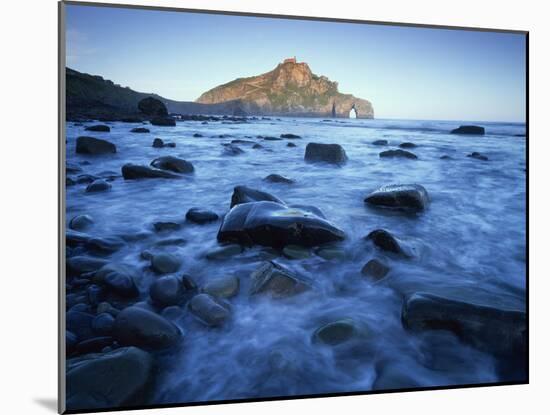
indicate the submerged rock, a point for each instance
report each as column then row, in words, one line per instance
column 273, row 279
column 290, row 136
column 119, row 279
column 380, row 142
column 98, row 127
column 166, row 226
column 407, row 145
column 244, row 194
column 375, row 269
column 108, row 380
column 501, row 332
column 94, row 146
column 224, row 287
column 328, row 153
column 336, row 332
column 479, row 156
column 387, row 242
column 276, row 225
column 165, row 263
column 209, row 310
column 81, row 222
column 98, row 185
column 167, row 291
column 397, row 153
column 173, row 164
column 232, row 150
column 140, row 130
column 400, row 196
column 136, row 326
column 201, row 216
column 158, row 143
column 290, row 145
column 134, row 171
column 469, row 129
column 277, row 178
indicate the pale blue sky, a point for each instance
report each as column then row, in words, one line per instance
column 406, row 72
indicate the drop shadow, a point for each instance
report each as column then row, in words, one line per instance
column 48, row 403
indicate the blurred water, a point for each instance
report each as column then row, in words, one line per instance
column 470, row 243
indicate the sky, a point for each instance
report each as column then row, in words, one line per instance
column 406, row 72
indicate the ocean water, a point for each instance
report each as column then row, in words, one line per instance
column 470, row 243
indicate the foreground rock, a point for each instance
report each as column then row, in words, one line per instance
column 94, row 146
column 135, row 326
column 165, row 263
column 159, row 143
column 328, row 153
column 398, row 153
column 277, row 178
column 99, row 127
column 109, row 380
column 118, row 278
column 244, row 194
column 469, row 129
column 173, row 164
column 400, row 196
column 167, row 291
column 497, row 331
column 134, row 171
column 209, row 310
column 336, row 332
column 276, row 225
column 152, row 107
column 387, row 242
column 201, row 216
column 271, row 278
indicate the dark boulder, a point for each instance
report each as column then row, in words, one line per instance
column 501, row 332
column 380, row 142
column 398, row 153
column 244, row 194
column 375, row 269
column 387, row 242
column 232, row 150
column 158, row 143
column 119, row 279
column 98, row 185
column 99, row 127
column 173, row 164
column 167, row 291
column 140, row 130
column 109, row 380
column 328, row 153
column 277, row 281
column 209, row 310
column 290, row 136
column 165, row 263
column 136, row 326
column 94, row 146
column 288, row 145
column 407, row 145
column 469, row 129
column 201, row 216
column 134, row 171
column 277, row 178
column 152, row 107
column 336, row 332
column 276, row 225
column 478, row 156
column 197, row 135
column 400, row 196
column 445, row 157
column 163, row 121
column 81, row 222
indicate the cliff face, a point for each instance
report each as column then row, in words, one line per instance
column 289, row 89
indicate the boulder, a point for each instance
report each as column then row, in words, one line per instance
column 375, row 269
column 478, row 156
column 163, row 121
column 109, row 380
column 224, row 287
column 287, row 144
column 380, row 142
column 386, row 242
column 244, row 194
column 276, row 225
column 99, row 127
column 173, row 164
column 98, row 185
column 136, row 326
column 94, row 146
column 134, row 171
column 400, row 196
column 201, row 216
column 336, row 332
column 445, row 157
column 501, row 332
column 272, row 278
column 165, row 263
column 209, row 310
column 167, row 291
column 140, row 130
column 81, row 222
column 290, row 136
column 158, row 143
column 119, row 279
column 407, row 145
column 232, row 150
column 328, row 153
column 397, row 153
column 152, row 107
column 469, row 129
column 277, row 178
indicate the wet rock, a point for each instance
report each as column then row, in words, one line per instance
column 201, row 216
column 469, row 129
column 172, row 313
column 232, row 150
column 98, row 185
column 94, row 146
column 257, row 146
column 290, row 136
column 98, row 127
column 165, row 263
column 108, row 380
column 80, row 324
column 244, row 194
column 386, row 242
column 93, row 345
column 397, row 153
column 296, row 252
column 134, row 171
column 224, row 252
column 289, row 145
column 81, row 222
column 140, row 130
column 269, row 138
column 271, row 278
column 118, row 278
column 239, row 141
column 167, row 291
column 478, row 156
column 276, row 225
column 501, row 332
column 197, row 135
column 328, row 153
column 173, row 164
column 166, row 226
column 380, row 142
column 407, row 145
column 277, row 178
column 81, row 264
column 136, row 326
column 163, row 121
column 107, row 244
column 400, row 196
column 225, row 287
column 445, row 157
column 152, row 107
column 103, row 324
column 158, row 143
column 375, row 269
column 336, row 332
column 209, row 310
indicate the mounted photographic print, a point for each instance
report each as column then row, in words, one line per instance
column 259, row 207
